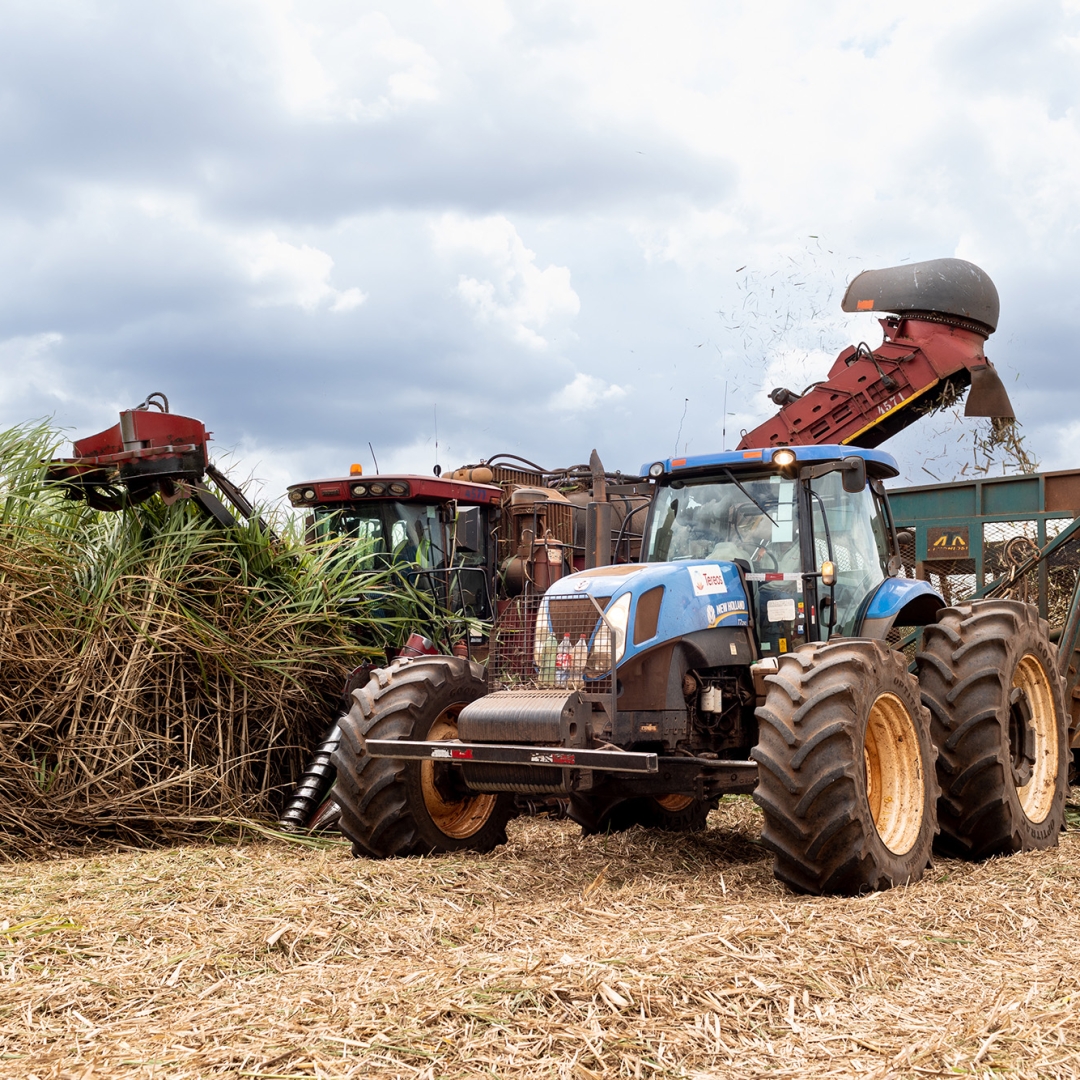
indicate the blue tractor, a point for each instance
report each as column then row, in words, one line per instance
column 748, row 652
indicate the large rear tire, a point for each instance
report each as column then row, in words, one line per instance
column 988, row 674
column 394, row 807
column 846, row 777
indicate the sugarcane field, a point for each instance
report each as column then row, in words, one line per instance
column 539, row 540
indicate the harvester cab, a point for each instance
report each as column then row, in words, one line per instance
column 437, row 529
column 482, row 540
column 747, row 651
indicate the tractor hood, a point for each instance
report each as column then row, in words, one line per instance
column 666, row 600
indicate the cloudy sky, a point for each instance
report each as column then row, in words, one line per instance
column 535, row 227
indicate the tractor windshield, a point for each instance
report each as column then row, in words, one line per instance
column 718, row 519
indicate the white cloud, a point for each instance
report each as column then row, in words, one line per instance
column 297, row 274
column 586, row 392
column 517, row 295
column 28, row 369
column 337, row 66
column 283, row 274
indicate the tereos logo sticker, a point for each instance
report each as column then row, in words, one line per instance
column 953, row 542
column 707, row 580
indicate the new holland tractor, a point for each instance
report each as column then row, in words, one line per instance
column 747, row 652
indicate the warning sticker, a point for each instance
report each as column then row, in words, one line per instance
column 781, row 610
column 706, row 580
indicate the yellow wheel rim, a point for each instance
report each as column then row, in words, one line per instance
column 1037, row 795
column 456, row 818
column 894, row 774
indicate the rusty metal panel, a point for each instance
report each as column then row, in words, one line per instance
column 1063, row 491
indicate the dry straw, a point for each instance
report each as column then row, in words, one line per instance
column 158, row 674
column 640, row 955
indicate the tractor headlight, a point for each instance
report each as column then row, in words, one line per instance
column 309, row 493
column 377, row 489
column 295, row 497
column 398, row 488
column 784, row 457
column 358, row 490
column 656, row 469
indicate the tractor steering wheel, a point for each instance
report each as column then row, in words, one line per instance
column 764, row 553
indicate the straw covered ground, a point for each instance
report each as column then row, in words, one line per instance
column 642, row 954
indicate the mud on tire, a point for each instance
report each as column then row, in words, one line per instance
column 846, row 769
column 988, row 674
column 394, row 807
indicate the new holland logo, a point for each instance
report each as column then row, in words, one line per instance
column 948, row 543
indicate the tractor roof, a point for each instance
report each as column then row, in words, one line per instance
column 879, row 464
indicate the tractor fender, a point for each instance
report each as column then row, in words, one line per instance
column 897, row 602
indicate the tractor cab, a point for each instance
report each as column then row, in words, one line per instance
column 439, row 531
column 809, row 528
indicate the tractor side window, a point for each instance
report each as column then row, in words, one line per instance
column 849, row 530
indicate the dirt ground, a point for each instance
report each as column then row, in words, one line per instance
column 643, row 954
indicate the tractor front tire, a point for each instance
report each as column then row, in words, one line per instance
column 846, row 769
column 988, row 674
column 391, row 807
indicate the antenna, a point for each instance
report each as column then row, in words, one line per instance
column 374, row 458
column 678, row 434
column 723, row 437
column 435, row 408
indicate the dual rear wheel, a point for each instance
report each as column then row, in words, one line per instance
column 861, row 763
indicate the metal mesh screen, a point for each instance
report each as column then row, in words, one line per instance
column 953, row 578
column 1062, row 567
column 1007, row 544
column 543, row 641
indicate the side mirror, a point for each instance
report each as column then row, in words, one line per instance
column 854, row 474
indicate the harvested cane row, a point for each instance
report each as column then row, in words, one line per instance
column 158, row 674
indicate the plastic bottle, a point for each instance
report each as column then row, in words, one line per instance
column 549, row 658
column 579, row 658
column 563, row 660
